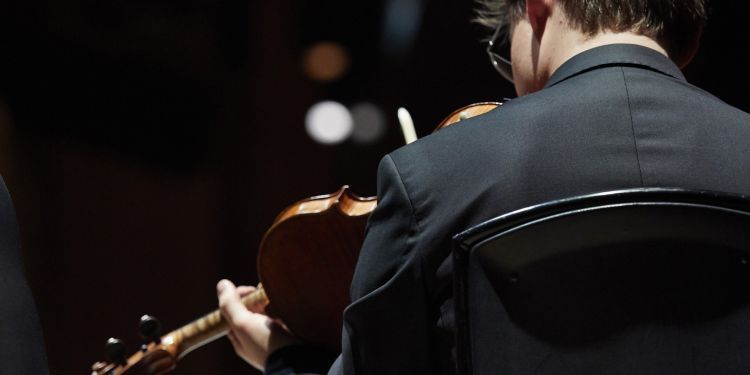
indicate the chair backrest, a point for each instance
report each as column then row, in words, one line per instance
column 642, row 281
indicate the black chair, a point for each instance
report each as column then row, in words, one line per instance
column 643, row 281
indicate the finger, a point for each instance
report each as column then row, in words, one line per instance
column 230, row 304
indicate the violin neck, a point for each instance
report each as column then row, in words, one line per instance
column 209, row 327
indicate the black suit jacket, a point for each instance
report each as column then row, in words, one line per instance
column 21, row 342
column 613, row 117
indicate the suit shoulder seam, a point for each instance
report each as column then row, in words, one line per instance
column 632, row 125
column 412, row 208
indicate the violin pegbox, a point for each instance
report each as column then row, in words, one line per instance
column 154, row 357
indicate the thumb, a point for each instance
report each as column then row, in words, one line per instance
column 230, row 304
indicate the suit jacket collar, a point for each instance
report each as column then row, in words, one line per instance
column 614, row 55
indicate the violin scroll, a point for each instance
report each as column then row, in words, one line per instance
column 159, row 355
column 152, row 359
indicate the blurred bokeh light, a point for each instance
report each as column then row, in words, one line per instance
column 369, row 123
column 326, row 61
column 328, row 122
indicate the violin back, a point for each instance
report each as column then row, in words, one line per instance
column 306, row 262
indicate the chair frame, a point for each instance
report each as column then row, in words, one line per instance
column 466, row 241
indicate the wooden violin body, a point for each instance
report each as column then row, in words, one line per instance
column 307, row 260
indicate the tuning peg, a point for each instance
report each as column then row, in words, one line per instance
column 115, row 351
column 149, row 328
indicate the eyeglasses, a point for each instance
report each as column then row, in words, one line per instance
column 498, row 48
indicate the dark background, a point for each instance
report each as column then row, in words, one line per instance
column 149, row 144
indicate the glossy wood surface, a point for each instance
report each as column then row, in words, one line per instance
column 468, row 111
column 306, row 263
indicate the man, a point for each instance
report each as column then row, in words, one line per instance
column 21, row 341
column 602, row 106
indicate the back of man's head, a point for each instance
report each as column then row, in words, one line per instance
column 676, row 25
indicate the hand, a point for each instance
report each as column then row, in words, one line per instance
column 254, row 336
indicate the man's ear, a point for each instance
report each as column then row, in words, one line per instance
column 538, row 12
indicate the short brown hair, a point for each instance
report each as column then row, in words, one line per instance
column 676, row 24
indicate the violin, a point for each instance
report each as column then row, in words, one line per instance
column 306, row 262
